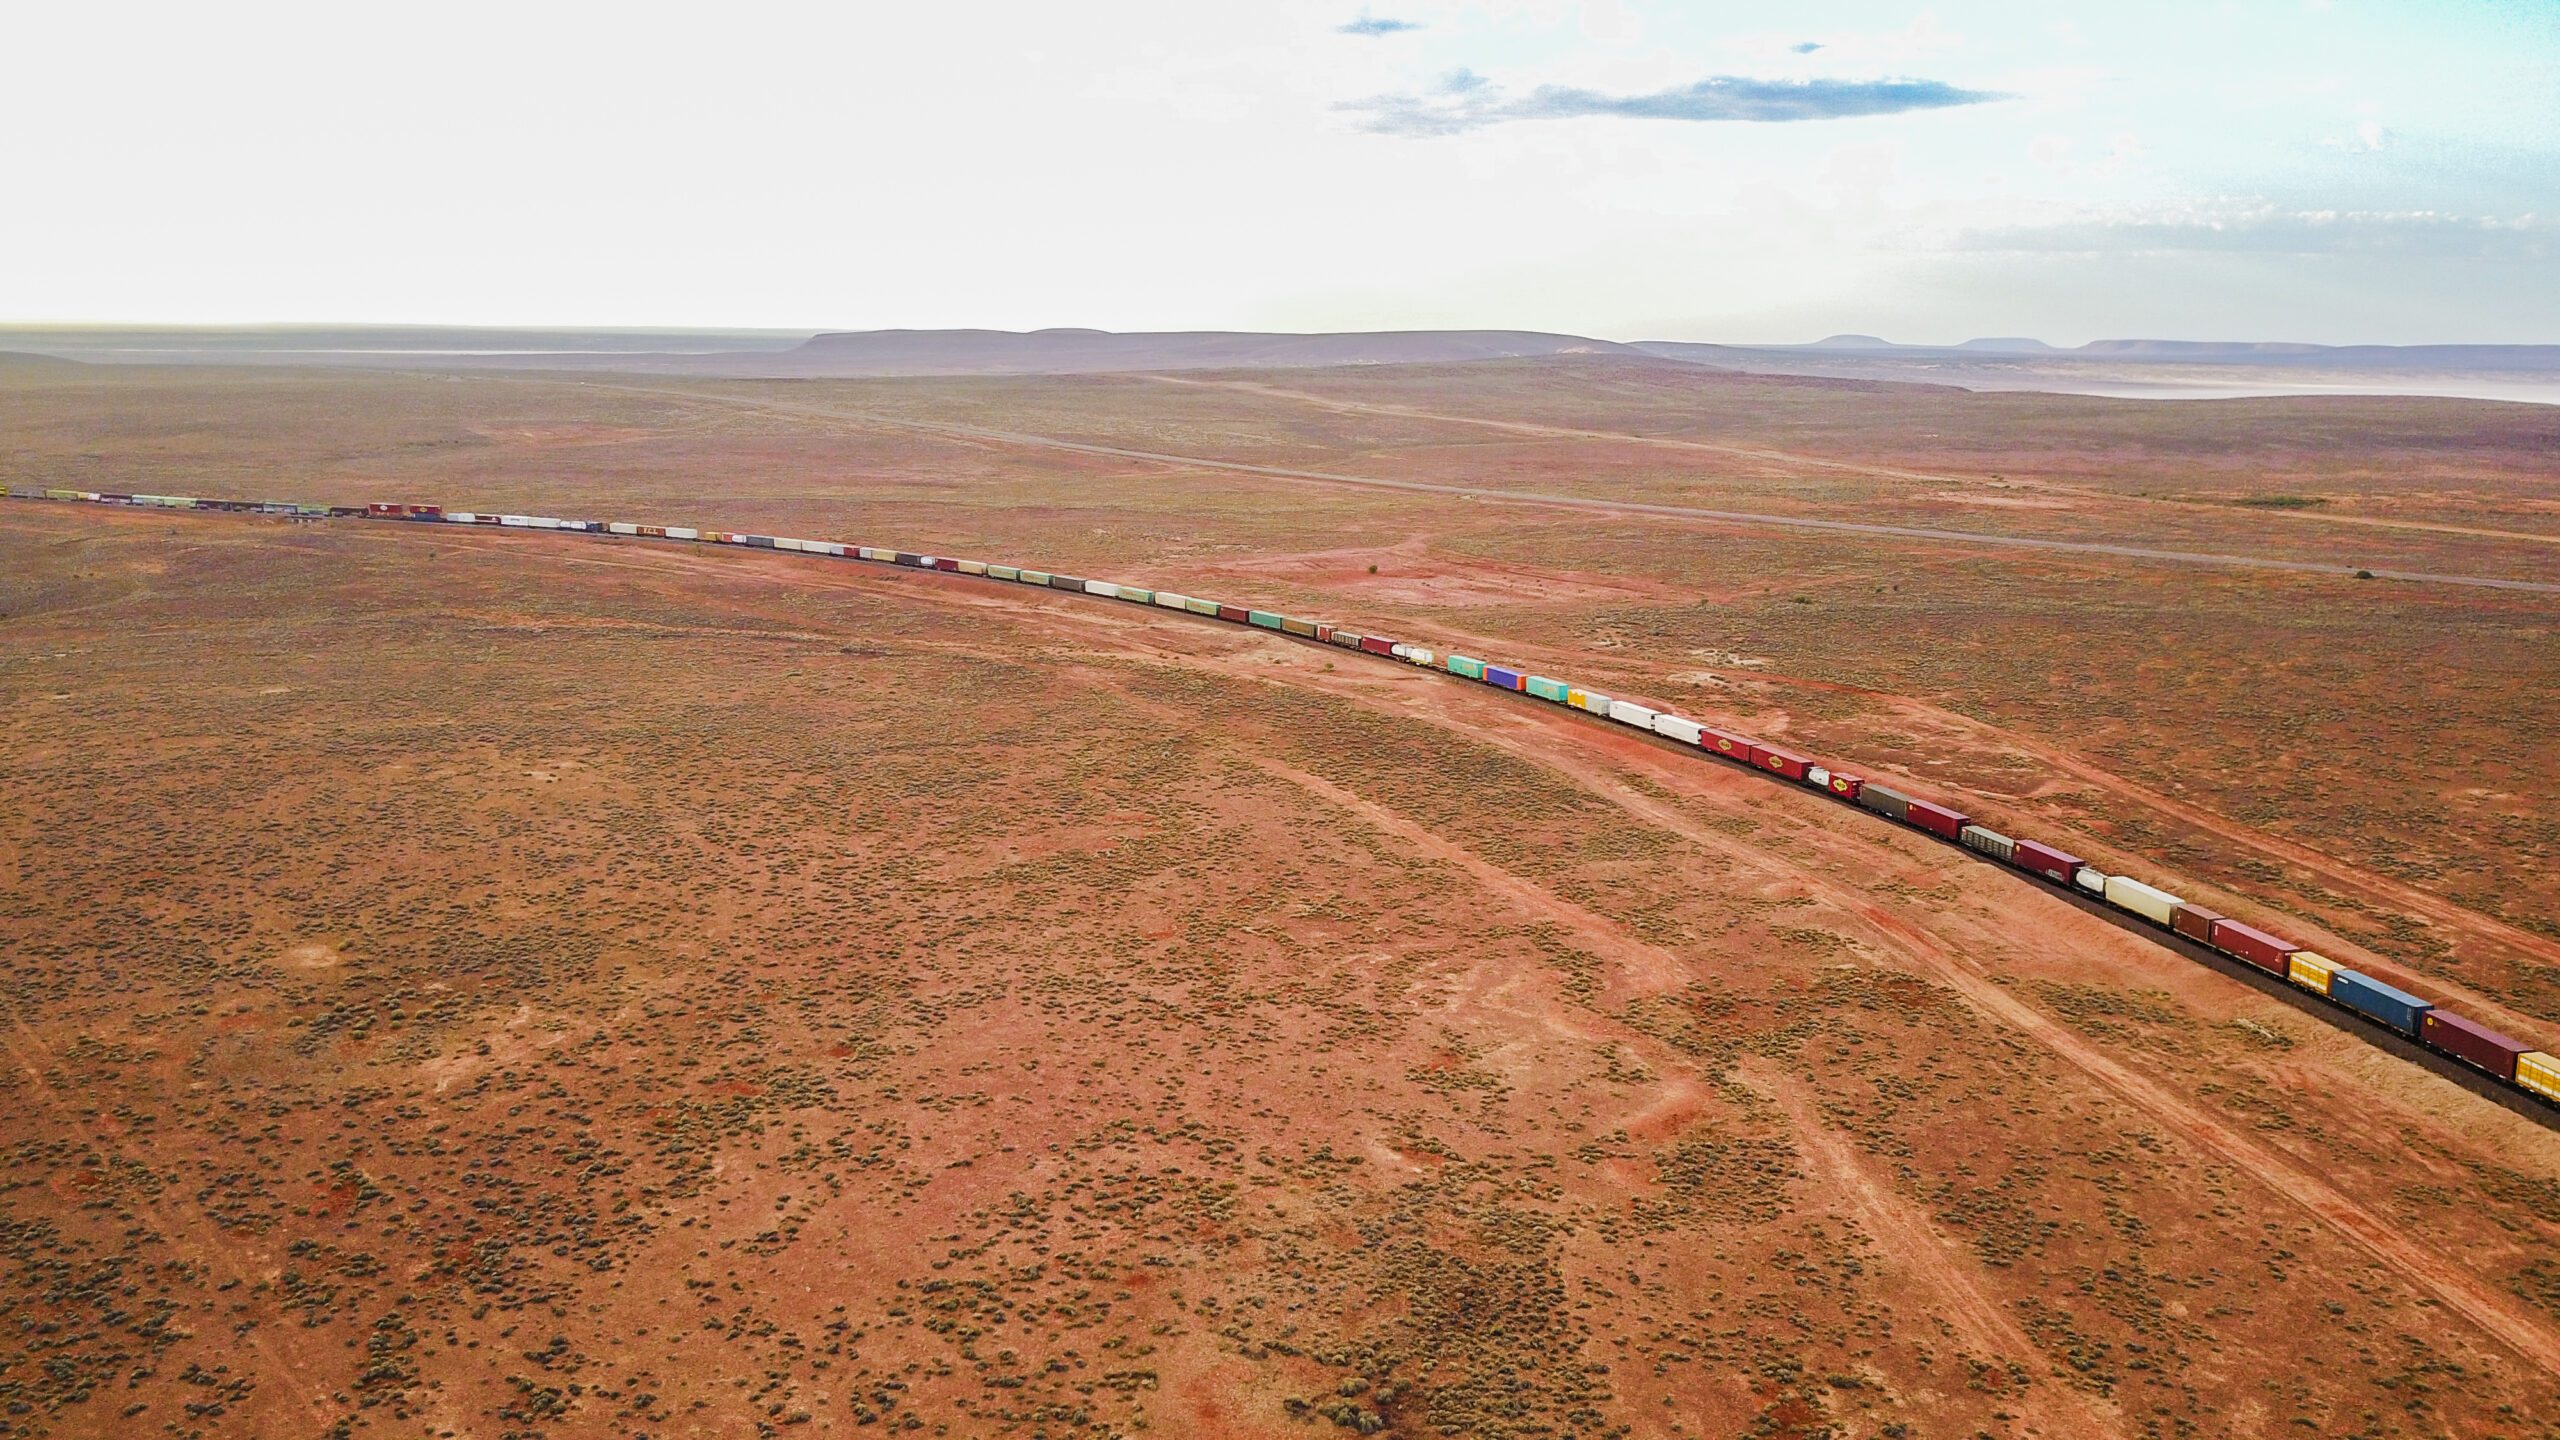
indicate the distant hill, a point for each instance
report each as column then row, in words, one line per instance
column 1062, row 352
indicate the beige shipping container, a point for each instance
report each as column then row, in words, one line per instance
column 2157, row 906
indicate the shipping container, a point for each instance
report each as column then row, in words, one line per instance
column 1377, row 644
column 1165, row 601
column 618, row 528
column 1591, row 700
column 1304, row 629
column 1891, row 804
column 2052, row 864
column 1501, row 678
column 1003, row 572
column 2538, row 1072
column 1103, row 588
column 67, row 495
column 785, row 542
column 681, row 532
column 2309, row 971
column 2252, row 944
column 2089, row 881
column 945, row 562
column 1734, row 747
column 1464, row 668
column 1236, row 613
column 2472, row 1041
column 1071, row 583
column 1784, row 762
column 2195, row 922
column 1546, row 689
column 1347, row 639
column 1990, row 842
column 757, row 542
column 1938, row 819
column 1687, row 732
column 1417, row 655
column 2365, row 995
column 1201, row 607
column 1628, row 712
column 1040, row 578
column 967, row 567
column 378, row 508
column 1817, row 777
column 515, row 522
column 2155, row 905
column 1847, row 787
column 1268, row 620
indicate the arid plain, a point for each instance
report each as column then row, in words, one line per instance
column 508, row 985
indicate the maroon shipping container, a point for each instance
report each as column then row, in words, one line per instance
column 2253, row 945
column 2472, row 1041
column 1377, row 645
column 942, row 562
column 1845, row 786
column 1231, row 612
column 1732, row 747
column 2048, row 862
column 1938, row 819
column 1785, row 762
column 2195, row 922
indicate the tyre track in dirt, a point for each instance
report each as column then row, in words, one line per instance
column 288, row 1367
column 2485, row 1308
column 1909, row 1242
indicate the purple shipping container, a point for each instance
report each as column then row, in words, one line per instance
column 2469, row 1040
column 2052, row 864
column 1505, row 679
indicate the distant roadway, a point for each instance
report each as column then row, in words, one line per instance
column 1582, row 502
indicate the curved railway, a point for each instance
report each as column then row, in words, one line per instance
column 2518, row 1075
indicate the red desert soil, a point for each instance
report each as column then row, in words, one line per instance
column 487, row 984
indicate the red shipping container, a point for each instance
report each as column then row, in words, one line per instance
column 2253, row 945
column 1325, row 633
column 1732, row 747
column 2048, row 862
column 1377, row 645
column 1230, row 612
column 945, row 563
column 1845, row 786
column 1785, row 762
column 1938, row 819
column 2472, row 1041
column 2195, row 922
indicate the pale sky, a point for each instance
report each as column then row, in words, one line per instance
column 2334, row 171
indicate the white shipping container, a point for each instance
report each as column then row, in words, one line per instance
column 2089, row 880
column 1591, row 700
column 618, row 528
column 518, row 521
column 1419, row 656
column 546, row 522
column 782, row 542
column 1627, row 712
column 1817, row 777
column 1102, row 588
column 683, row 532
column 1687, row 732
column 2151, row 904
column 460, row 517
column 1172, row 601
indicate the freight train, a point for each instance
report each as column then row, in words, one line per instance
column 2512, row 1062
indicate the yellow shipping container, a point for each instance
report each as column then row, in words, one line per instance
column 2309, row 971
column 2539, row 1073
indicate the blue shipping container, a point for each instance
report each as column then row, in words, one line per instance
column 2396, row 1008
column 1507, row 679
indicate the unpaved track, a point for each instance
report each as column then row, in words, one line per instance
column 191, row 1228
column 1575, row 502
column 1910, row 1243
column 1579, row 754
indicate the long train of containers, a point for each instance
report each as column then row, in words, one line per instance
column 2535, row 1072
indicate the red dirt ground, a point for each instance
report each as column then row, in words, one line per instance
column 500, row 985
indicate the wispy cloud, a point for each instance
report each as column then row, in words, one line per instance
column 2261, row 228
column 1373, row 25
column 1466, row 101
column 1807, row 47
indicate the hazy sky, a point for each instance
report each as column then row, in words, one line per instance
column 2331, row 171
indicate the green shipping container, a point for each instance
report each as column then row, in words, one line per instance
column 1299, row 627
column 1202, row 607
column 1004, row 572
column 1460, row 665
column 1032, row 577
column 1264, row 618
column 1546, row 689
column 1132, row 592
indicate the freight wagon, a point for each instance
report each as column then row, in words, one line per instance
column 2509, row 1060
